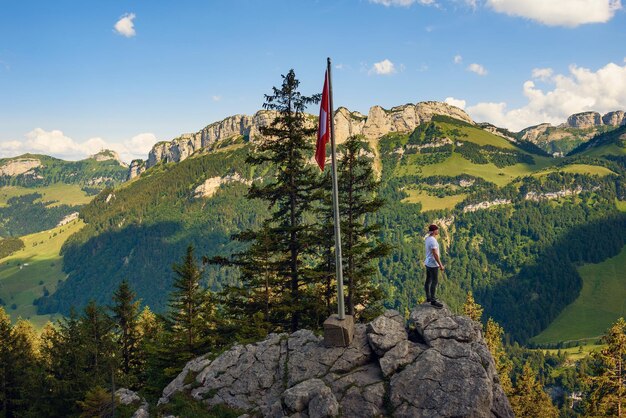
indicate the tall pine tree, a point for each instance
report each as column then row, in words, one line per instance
column 125, row 311
column 286, row 147
column 186, row 307
column 528, row 398
column 360, row 246
column 608, row 382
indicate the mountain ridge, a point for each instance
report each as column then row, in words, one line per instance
column 377, row 122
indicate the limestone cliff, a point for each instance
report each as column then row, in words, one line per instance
column 378, row 122
column 438, row 366
column 19, row 166
column 106, row 155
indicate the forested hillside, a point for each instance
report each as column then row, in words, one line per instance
column 37, row 191
column 515, row 223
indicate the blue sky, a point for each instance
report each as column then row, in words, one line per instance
column 79, row 76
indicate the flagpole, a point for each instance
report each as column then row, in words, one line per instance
column 338, row 258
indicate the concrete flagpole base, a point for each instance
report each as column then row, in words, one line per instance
column 338, row 332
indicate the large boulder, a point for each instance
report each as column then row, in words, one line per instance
column 441, row 367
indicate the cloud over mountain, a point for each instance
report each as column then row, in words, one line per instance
column 55, row 143
column 581, row 90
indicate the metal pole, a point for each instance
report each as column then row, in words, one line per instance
column 338, row 258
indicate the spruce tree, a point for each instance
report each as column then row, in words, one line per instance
column 6, row 363
column 65, row 358
column 471, row 308
column 528, row 398
column 125, row 311
column 504, row 366
column 185, row 307
column 360, row 246
column 286, row 147
column 608, row 382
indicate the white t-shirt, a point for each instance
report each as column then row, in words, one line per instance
column 431, row 244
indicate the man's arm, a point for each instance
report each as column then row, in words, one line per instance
column 436, row 255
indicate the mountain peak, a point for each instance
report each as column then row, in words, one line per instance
column 106, row 155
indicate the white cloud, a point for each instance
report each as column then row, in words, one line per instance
column 57, row 144
column 455, row 102
column 216, row 98
column 402, row 3
column 385, row 67
column 581, row 90
column 569, row 13
column 542, row 74
column 458, row 59
column 477, row 68
column 125, row 26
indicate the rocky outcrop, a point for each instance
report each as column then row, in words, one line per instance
column 534, row 196
column 533, row 133
column 136, row 168
column 617, row 118
column 182, row 147
column 211, row 185
column 584, row 120
column 590, row 119
column 69, row 218
column 438, row 366
column 107, row 155
column 486, row 205
column 19, row 166
column 348, row 123
column 406, row 118
column 128, row 397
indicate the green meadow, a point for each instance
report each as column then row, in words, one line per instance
column 25, row 274
column 576, row 353
column 456, row 165
column 60, row 193
column 429, row 202
column 601, row 302
column 594, row 170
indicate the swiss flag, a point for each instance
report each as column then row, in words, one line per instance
column 323, row 132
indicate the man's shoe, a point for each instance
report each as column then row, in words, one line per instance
column 428, row 300
column 436, row 304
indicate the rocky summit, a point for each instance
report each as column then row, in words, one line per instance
column 436, row 365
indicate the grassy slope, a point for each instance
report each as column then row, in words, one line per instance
column 21, row 286
column 577, row 353
column 70, row 194
column 433, row 202
column 600, row 303
column 578, row 169
column 456, row 164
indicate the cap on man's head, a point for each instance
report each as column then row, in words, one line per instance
column 432, row 228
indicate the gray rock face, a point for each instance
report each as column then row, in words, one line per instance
column 136, row 168
column 178, row 384
column 128, row 397
column 616, row 118
column 386, row 331
column 18, row 166
column 584, row 120
column 448, row 373
column 533, row 133
column 182, row 147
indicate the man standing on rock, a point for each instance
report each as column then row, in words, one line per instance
column 433, row 265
